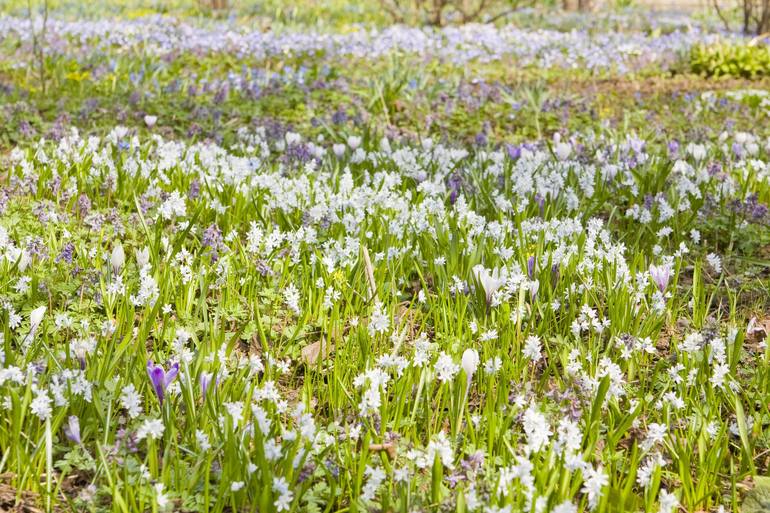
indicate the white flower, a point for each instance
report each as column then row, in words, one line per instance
column 698, row 151
column 493, row 365
column 562, row 150
column 536, row 428
column 470, row 362
column 292, row 138
column 291, row 298
column 152, row 428
column 490, row 282
column 655, row 435
column 593, row 483
column 472, row 501
column 148, row 289
column 117, row 258
column 41, row 405
column 203, row 440
column 565, row 507
column 173, row 207
column 715, row 262
column 446, row 368
column 717, row 379
column 376, row 476
column 36, row 317
column 668, row 501
column 161, row 497
column 142, row 257
column 379, row 321
column 131, row 401
column 532, row 348
column 285, row 496
column 150, row 120
column 354, row 142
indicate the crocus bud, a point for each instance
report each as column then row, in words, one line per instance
column 36, row 317
column 661, row 274
column 470, row 362
column 205, row 381
column 24, row 260
column 385, row 145
column 150, row 120
column 562, row 150
column 72, row 429
column 118, row 258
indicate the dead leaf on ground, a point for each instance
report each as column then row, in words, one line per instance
column 311, row 352
column 28, row 502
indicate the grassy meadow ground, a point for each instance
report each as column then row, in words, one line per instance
column 292, row 257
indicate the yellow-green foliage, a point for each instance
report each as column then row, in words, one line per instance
column 735, row 60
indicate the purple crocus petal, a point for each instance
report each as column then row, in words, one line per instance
column 157, row 377
column 171, row 375
column 661, row 275
column 531, row 266
column 205, row 381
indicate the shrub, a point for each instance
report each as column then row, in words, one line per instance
column 734, row 60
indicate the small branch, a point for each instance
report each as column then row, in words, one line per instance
column 721, row 15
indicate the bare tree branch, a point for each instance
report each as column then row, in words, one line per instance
column 721, row 15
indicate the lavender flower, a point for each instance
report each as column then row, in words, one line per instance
column 67, row 253
column 205, row 380
column 661, row 274
column 72, row 429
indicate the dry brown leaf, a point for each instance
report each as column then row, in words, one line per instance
column 389, row 448
column 311, row 352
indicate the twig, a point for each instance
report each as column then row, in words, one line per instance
column 721, row 15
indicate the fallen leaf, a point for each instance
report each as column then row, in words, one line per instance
column 311, row 352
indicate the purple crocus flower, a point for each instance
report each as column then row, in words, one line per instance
column 72, row 429
column 514, row 152
column 531, row 266
column 673, row 149
column 205, row 381
column 160, row 378
column 661, row 274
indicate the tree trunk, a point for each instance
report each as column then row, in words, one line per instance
column 764, row 22
column 570, row 5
